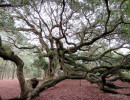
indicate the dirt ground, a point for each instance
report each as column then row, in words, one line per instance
column 66, row 90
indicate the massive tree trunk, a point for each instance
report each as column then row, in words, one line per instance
column 62, row 63
column 50, row 68
column 50, row 71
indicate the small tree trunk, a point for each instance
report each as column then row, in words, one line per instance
column 4, row 70
column 13, row 73
column 2, row 77
column 8, row 76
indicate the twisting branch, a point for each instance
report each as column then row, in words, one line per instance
column 44, row 45
column 116, row 68
column 14, row 43
column 73, row 49
column 11, row 5
column 108, row 17
column 61, row 22
column 95, row 58
column 121, row 16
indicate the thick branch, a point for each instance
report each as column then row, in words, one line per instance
column 10, row 5
column 84, row 58
column 74, row 49
column 108, row 17
column 49, row 84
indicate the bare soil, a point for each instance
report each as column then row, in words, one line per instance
column 66, row 90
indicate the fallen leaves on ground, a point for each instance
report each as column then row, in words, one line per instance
column 66, row 90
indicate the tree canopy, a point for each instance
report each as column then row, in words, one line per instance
column 80, row 38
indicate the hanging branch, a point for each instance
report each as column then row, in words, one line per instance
column 108, row 17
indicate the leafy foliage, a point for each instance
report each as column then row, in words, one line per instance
column 5, row 20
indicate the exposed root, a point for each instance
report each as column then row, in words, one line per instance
column 107, row 90
column 111, row 85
